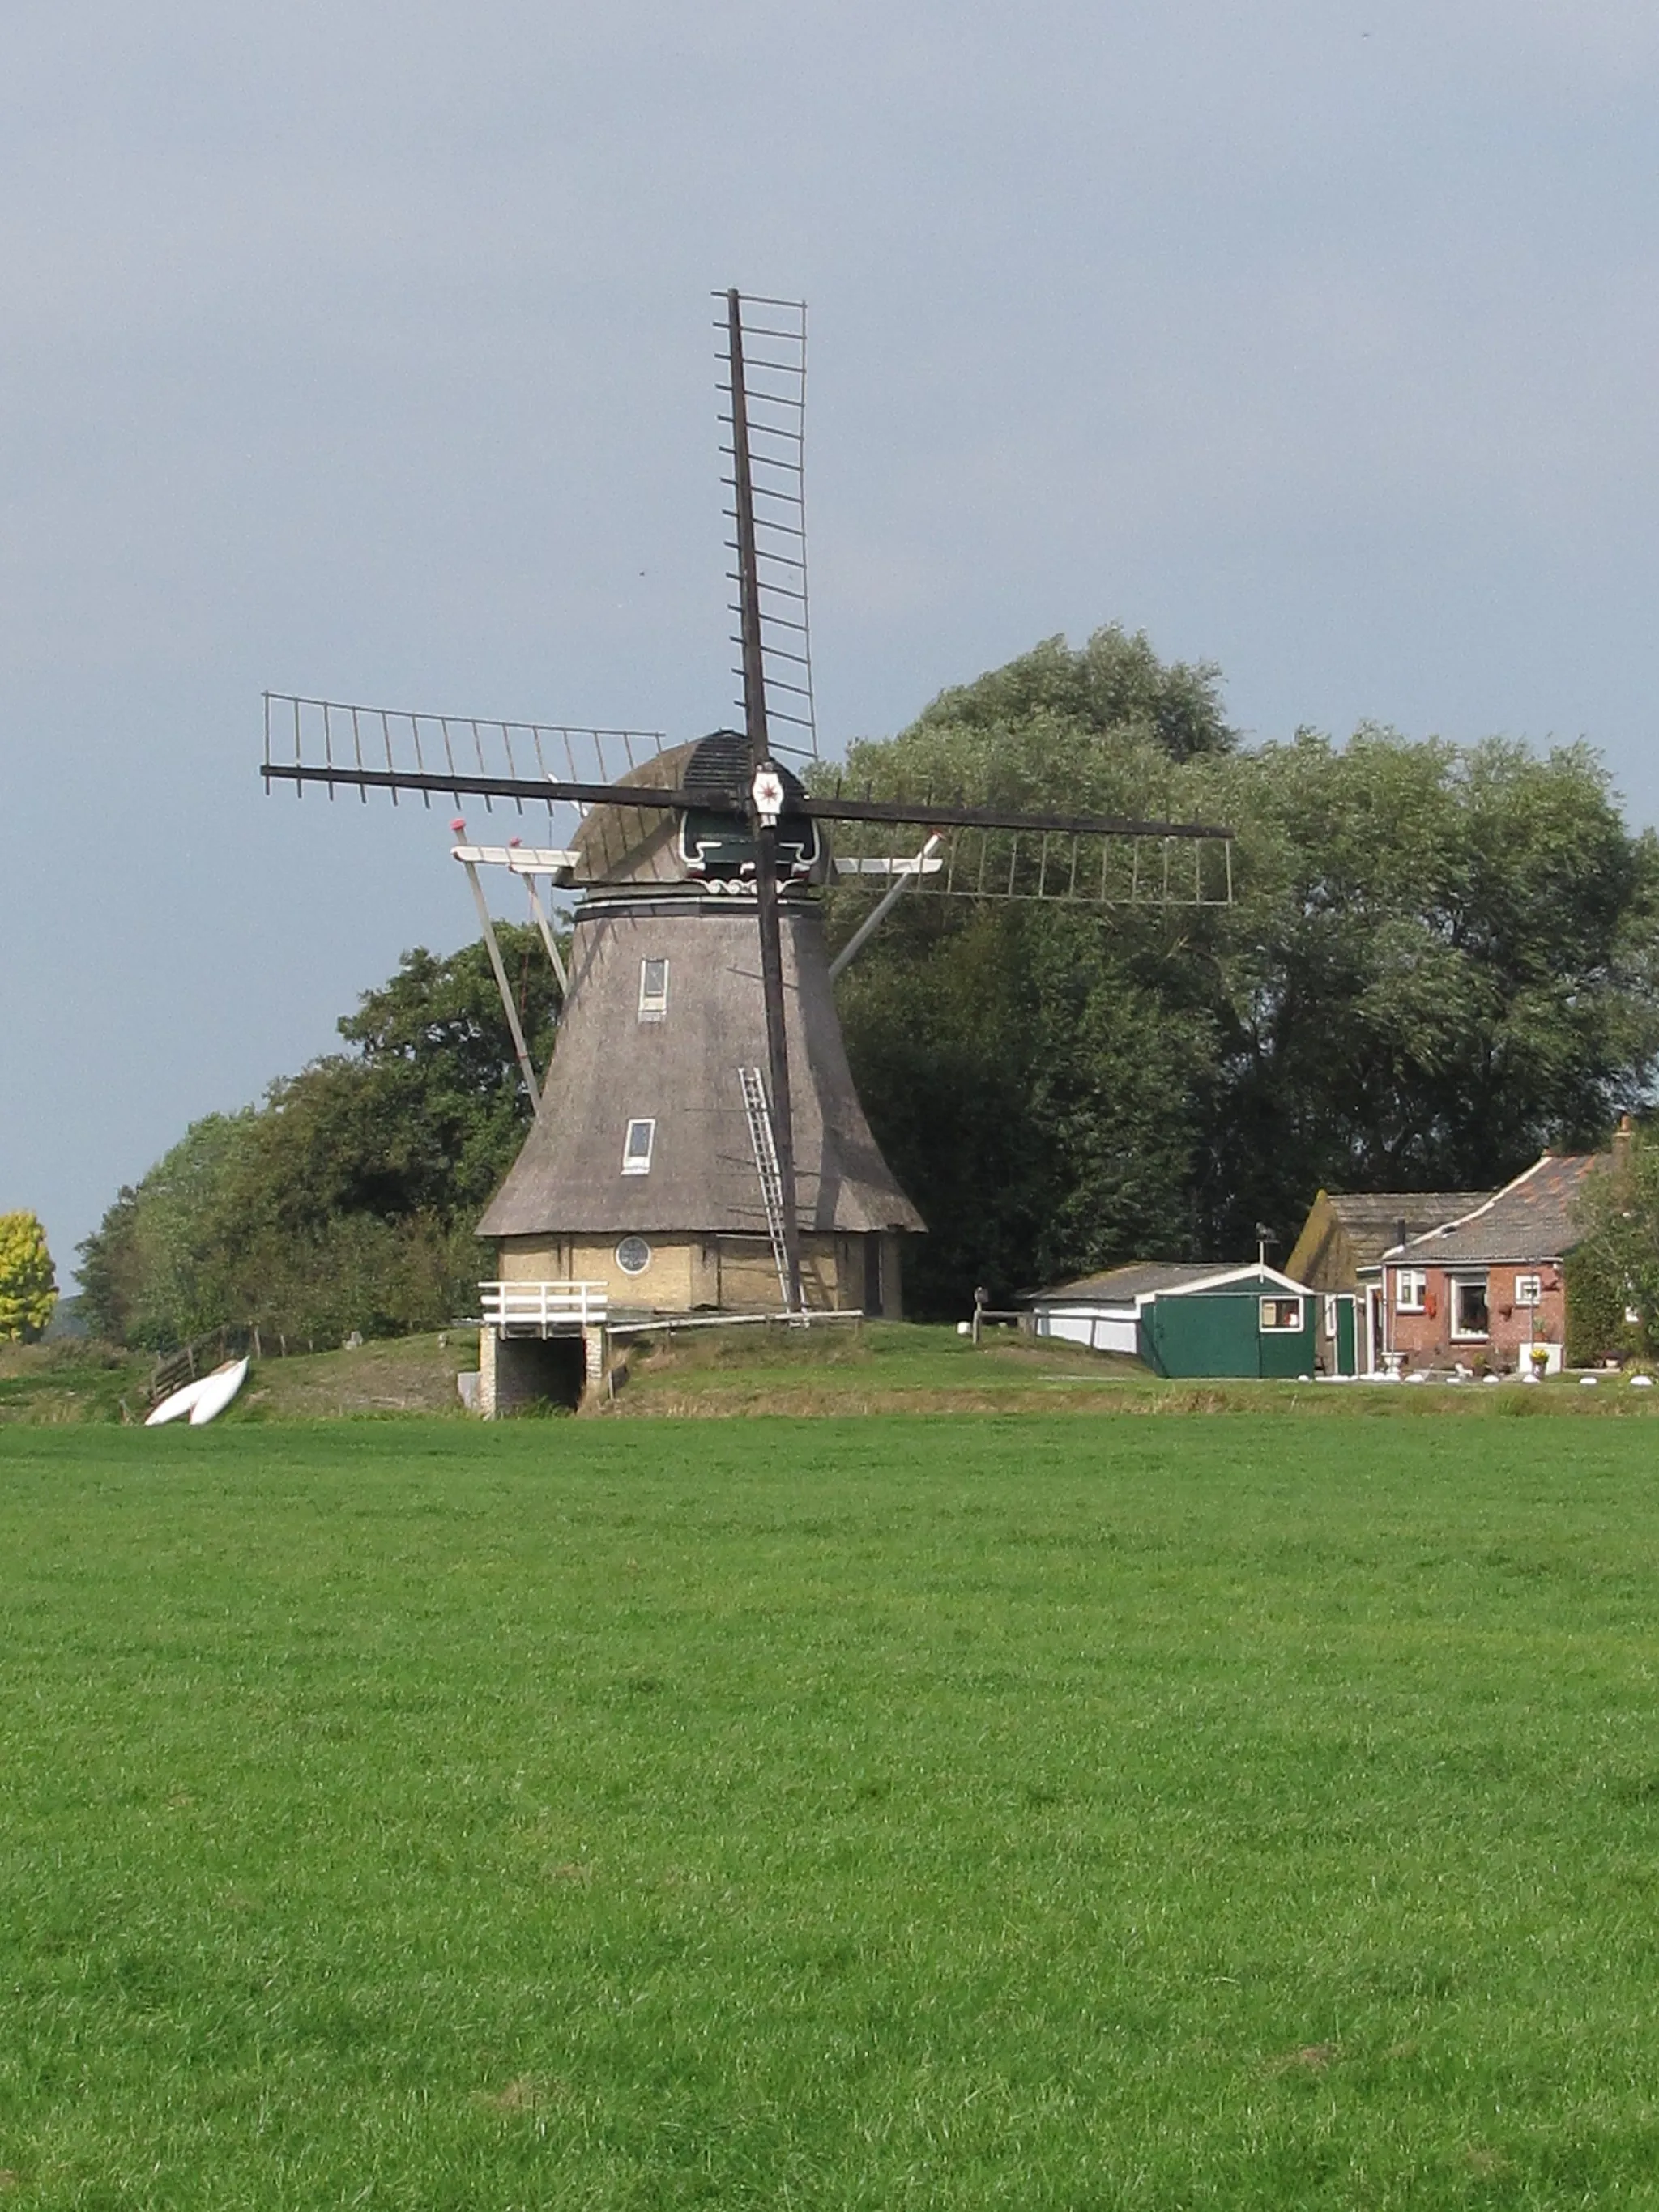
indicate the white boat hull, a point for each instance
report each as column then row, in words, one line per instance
column 177, row 1403
column 216, row 1392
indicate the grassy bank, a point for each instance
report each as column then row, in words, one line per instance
column 874, row 1368
column 865, row 1813
column 887, row 1368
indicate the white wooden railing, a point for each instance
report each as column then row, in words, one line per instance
column 543, row 1307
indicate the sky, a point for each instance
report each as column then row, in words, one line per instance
column 366, row 351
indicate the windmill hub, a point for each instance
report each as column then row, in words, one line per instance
column 767, row 791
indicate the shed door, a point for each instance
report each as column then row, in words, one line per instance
column 1347, row 1336
column 1203, row 1333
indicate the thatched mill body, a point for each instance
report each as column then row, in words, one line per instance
column 698, row 1147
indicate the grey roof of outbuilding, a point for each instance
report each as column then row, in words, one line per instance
column 1533, row 1218
column 1140, row 1279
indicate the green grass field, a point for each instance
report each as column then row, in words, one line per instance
column 1225, row 1812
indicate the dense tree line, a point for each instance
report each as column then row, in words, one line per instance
column 1438, row 961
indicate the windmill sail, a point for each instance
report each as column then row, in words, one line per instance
column 984, row 851
column 345, row 746
column 764, row 356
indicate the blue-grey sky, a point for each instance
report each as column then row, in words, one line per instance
column 365, row 350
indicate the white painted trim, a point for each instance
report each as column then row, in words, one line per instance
column 1253, row 1271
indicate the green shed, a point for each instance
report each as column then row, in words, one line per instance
column 1187, row 1320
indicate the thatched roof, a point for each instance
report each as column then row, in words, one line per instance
column 681, row 1072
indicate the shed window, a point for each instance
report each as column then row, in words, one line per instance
column 637, row 1148
column 1411, row 1290
column 653, row 990
column 1469, row 1315
column 1279, row 1314
column 1530, row 1290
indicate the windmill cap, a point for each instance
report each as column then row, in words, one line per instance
column 720, row 764
column 621, row 844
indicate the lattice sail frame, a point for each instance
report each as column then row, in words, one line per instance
column 426, row 756
column 774, row 333
column 1059, row 867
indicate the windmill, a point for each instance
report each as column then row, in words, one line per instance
column 700, row 1093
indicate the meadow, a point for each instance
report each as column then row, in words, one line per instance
column 1022, row 1811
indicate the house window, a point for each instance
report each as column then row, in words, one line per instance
column 653, row 990
column 1411, row 1290
column 1278, row 1314
column 633, row 1255
column 1469, row 1317
column 637, row 1148
column 1530, row 1290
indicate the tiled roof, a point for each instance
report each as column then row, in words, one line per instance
column 1372, row 1218
column 1533, row 1218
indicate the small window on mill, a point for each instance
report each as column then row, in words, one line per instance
column 637, row 1148
column 653, row 990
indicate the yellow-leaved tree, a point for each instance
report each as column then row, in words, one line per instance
column 28, row 1284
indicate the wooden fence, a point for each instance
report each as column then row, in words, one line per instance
column 173, row 1370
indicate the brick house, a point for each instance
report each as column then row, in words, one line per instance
column 1485, row 1289
column 1339, row 1254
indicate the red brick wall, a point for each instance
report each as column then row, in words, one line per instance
column 1426, row 1338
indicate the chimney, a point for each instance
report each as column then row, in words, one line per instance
column 1400, row 1231
column 1621, row 1143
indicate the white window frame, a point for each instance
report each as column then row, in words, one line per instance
column 653, row 1004
column 1530, row 1290
column 1454, row 1289
column 636, row 1160
column 633, row 1245
column 1411, row 1290
column 1266, row 1327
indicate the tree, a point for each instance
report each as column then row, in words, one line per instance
column 1115, row 686
column 1442, row 961
column 155, row 1271
column 28, row 1284
column 1615, row 1271
column 1036, row 1098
